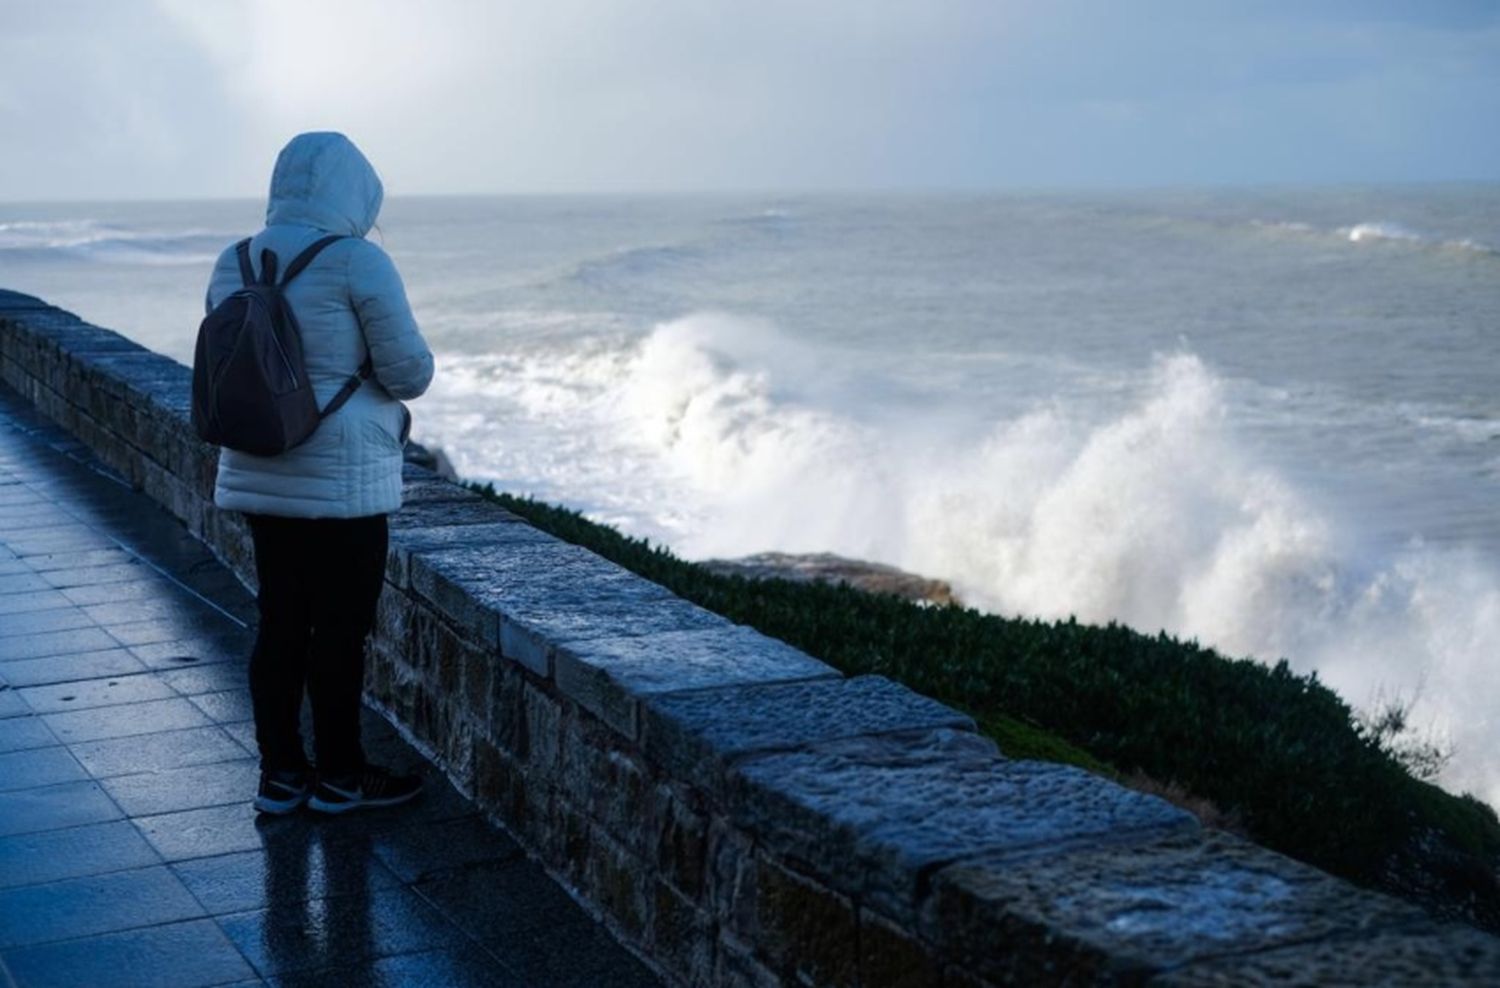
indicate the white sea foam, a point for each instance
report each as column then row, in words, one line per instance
column 1376, row 232
column 724, row 437
column 1365, row 232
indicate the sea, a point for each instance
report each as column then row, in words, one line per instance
column 1265, row 419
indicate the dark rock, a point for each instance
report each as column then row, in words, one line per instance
column 825, row 567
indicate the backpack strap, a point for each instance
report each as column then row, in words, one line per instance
column 347, row 391
column 242, row 251
column 305, row 258
column 268, row 262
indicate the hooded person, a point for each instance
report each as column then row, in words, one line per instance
column 317, row 512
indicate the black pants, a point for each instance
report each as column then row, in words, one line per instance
column 319, row 581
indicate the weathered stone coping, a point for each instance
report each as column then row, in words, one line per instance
column 739, row 812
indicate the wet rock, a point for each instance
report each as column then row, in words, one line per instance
column 825, row 567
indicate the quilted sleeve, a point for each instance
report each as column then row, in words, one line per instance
column 402, row 360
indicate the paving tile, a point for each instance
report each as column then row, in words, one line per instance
column 468, row 966
column 22, row 582
column 203, row 833
column 71, row 668
column 30, row 859
column 27, row 603
column 38, row 767
column 34, row 517
column 196, row 953
column 214, row 677
column 144, row 632
column 11, row 704
column 103, row 593
column 77, row 559
column 492, row 899
column 47, row 643
column 19, row 733
column 294, row 864
column 181, row 609
column 72, row 804
column 58, row 539
column 80, row 907
column 145, row 717
column 226, row 706
column 177, row 653
column 418, row 851
column 109, row 573
column 57, row 619
column 95, row 693
column 187, row 788
column 244, row 736
column 590, row 959
column 154, row 752
column 337, row 932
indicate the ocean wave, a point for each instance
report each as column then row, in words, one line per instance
column 632, row 263
column 90, row 239
column 718, row 435
column 1376, row 232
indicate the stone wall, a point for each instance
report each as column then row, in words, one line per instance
column 739, row 812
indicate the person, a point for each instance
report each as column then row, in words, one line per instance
column 317, row 512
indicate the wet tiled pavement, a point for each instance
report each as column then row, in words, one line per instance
column 129, row 852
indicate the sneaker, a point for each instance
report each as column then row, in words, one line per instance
column 282, row 792
column 373, row 787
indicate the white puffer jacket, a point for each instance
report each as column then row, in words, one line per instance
column 351, row 466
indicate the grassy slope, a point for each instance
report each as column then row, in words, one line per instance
column 1279, row 752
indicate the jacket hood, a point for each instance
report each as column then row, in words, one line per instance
column 322, row 180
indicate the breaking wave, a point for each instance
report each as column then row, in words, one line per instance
column 1376, row 232
column 723, row 437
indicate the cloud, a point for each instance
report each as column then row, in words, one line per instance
column 187, row 97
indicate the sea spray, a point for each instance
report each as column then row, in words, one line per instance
column 724, row 438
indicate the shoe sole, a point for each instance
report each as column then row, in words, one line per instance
column 333, row 809
column 279, row 807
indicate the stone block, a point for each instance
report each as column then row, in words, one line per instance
column 730, row 875
column 681, row 841
column 620, row 883
column 408, row 540
column 804, row 929
column 543, row 739
column 1439, row 957
column 1121, row 910
column 564, row 838
column 696, row 735
column 446, row 513
column 110, row 449
column 501, row 788
column 890, row 957
column 420, row 486
column 606, row 781
column 467, row 585
column 681, row 937
column 507, row 727
column 736, row 966
column 394, row 620
column 588, row 600
column 872, row 814
column 477, row 679
column 611, row 676
column 457, row 752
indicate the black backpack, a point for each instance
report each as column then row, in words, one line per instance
column 251, row 391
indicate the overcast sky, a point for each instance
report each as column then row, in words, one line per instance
column 168, row 98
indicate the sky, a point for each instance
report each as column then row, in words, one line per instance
column 124, row 99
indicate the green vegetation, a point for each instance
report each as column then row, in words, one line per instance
column 1276, row 751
